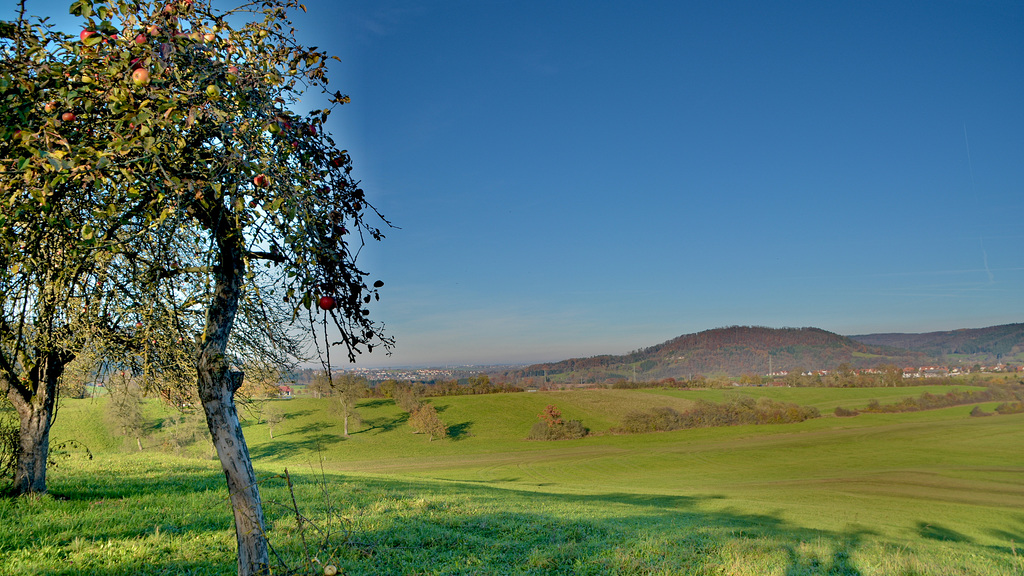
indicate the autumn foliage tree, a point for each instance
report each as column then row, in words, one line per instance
column 167, row 200
column 425, row 420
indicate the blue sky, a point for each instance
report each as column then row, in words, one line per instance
column 581, row 178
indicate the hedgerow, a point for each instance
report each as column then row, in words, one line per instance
column 707, row 414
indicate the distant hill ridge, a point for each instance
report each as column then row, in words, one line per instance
column 994, row 341
column 732, row 351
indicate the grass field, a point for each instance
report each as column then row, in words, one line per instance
column 924, row 493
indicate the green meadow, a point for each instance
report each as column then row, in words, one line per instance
column 921, row 493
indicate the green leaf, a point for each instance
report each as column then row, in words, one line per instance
column 92, row 40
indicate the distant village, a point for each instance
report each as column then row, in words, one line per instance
column 916, row 372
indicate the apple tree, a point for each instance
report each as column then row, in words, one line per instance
column 61, row 284
column 223, row 215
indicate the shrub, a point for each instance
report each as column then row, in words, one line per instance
column 1010, row 408
column 567, row 430
column 707, row 414
column 552, row 427
column 654, row 420
column 977, row 412
column 845, row 412
column 928, row 401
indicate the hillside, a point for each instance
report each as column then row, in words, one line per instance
column 731, row 351
column 994, row 343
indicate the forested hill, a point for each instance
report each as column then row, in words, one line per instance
column 731, row 351
column 984, row 344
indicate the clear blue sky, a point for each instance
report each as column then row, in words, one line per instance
column 581, row 178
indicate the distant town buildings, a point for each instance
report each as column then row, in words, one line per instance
column 914, row 371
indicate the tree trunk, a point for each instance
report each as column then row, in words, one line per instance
column 217, row 386
column 216, row 389
column 33, row 450
column 34, row 402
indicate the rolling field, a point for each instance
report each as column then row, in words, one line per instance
column 933, row 492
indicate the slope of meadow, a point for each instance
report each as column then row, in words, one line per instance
column 934, row 492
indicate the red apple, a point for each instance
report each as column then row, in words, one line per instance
column 261, row 181
column 85, row 34
column 232, row 69
column 68, row 117
column 50, row 107
column 140, row 77
column 326, row 303
column 141, row 38
column 153, row 30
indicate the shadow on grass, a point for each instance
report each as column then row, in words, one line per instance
column 941, row 533
column 383, row 424
column 401, row 526
column 311, row 442
column 645, row 534
column 460, row 430
column 312, row 428
column 376, row 403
